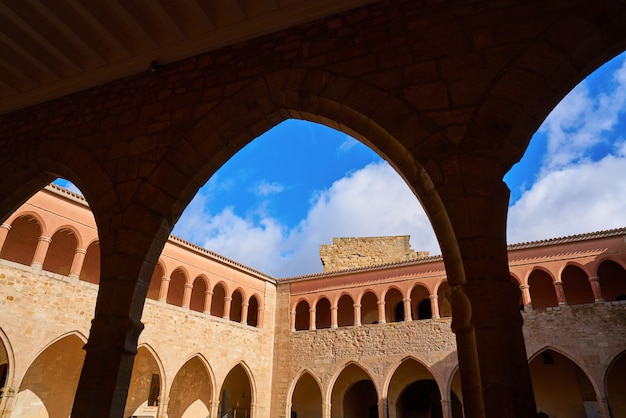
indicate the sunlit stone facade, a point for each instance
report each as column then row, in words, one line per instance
column 221, row 337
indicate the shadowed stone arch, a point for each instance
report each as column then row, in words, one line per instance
column 538, row 75
column 561, row 385
column 191, row 393
column 302, row 317
column 90, row 271
column 49, row 384
column 60, row 254
column 353, row 392
column 238, row 380
column 330, row 99
column 306, row 396
column 147, row 382
column 22, row 239
column 410, row 370
column 8, row 360
column 616, row 385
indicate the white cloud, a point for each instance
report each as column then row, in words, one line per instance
column 578, row 199
column 265, row 188
column 581, row 121
column 369, row 202
column 575, row 193
column 347, row 144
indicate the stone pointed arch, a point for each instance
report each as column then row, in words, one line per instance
column 147, row 382
column 52, row 378
column 345, row 379
column 341, row 369
column 335, row 101
column 10, row 358
column 615, row 385
column 296, row 400
column 538, row 76
column 564, row 378
column 193, row 389
column 235, row 379
column 147, row 346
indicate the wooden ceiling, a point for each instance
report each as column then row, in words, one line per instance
column 50, row 48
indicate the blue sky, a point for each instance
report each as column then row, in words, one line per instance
column 301, row 184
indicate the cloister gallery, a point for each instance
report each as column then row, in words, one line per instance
column 357, row 341
column 138, row 104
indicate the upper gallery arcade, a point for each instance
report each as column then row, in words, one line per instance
column 449, row 93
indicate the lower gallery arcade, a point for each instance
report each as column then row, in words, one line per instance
column 222, row 339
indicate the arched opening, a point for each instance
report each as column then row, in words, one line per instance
column 61, row 251
column 561, row 388
column 253, row 311
column 424, row 310
column 302, row 316
column 565, row 182
column 445, row 309
column 90, row 272
column 190, row 395
column 198, row 295
column 21, row 242
column 419, row 294
column 345, row 311
column 403, row 400
column 236, row 306
column 306, row 400
column 369, row 309
column 145, row 385
column 49, row 385
column 354, row 395
column 307, row 205
column 394, row 306
column 154, row 289
column 217, row 301
column 322, row 314
column 542, row 292
column 612, row 277
column 176, row 288
column 4, row 367
column 576, row 286
column 521, row 299
column 236, row 394
column 456, row 395
column 616, row 385
column 420, row 399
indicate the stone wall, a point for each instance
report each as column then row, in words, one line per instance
column 590, row 335
column 350, row 253
column 37, row 309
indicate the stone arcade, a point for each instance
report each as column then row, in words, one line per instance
column 222, row 338
column 449, row 92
